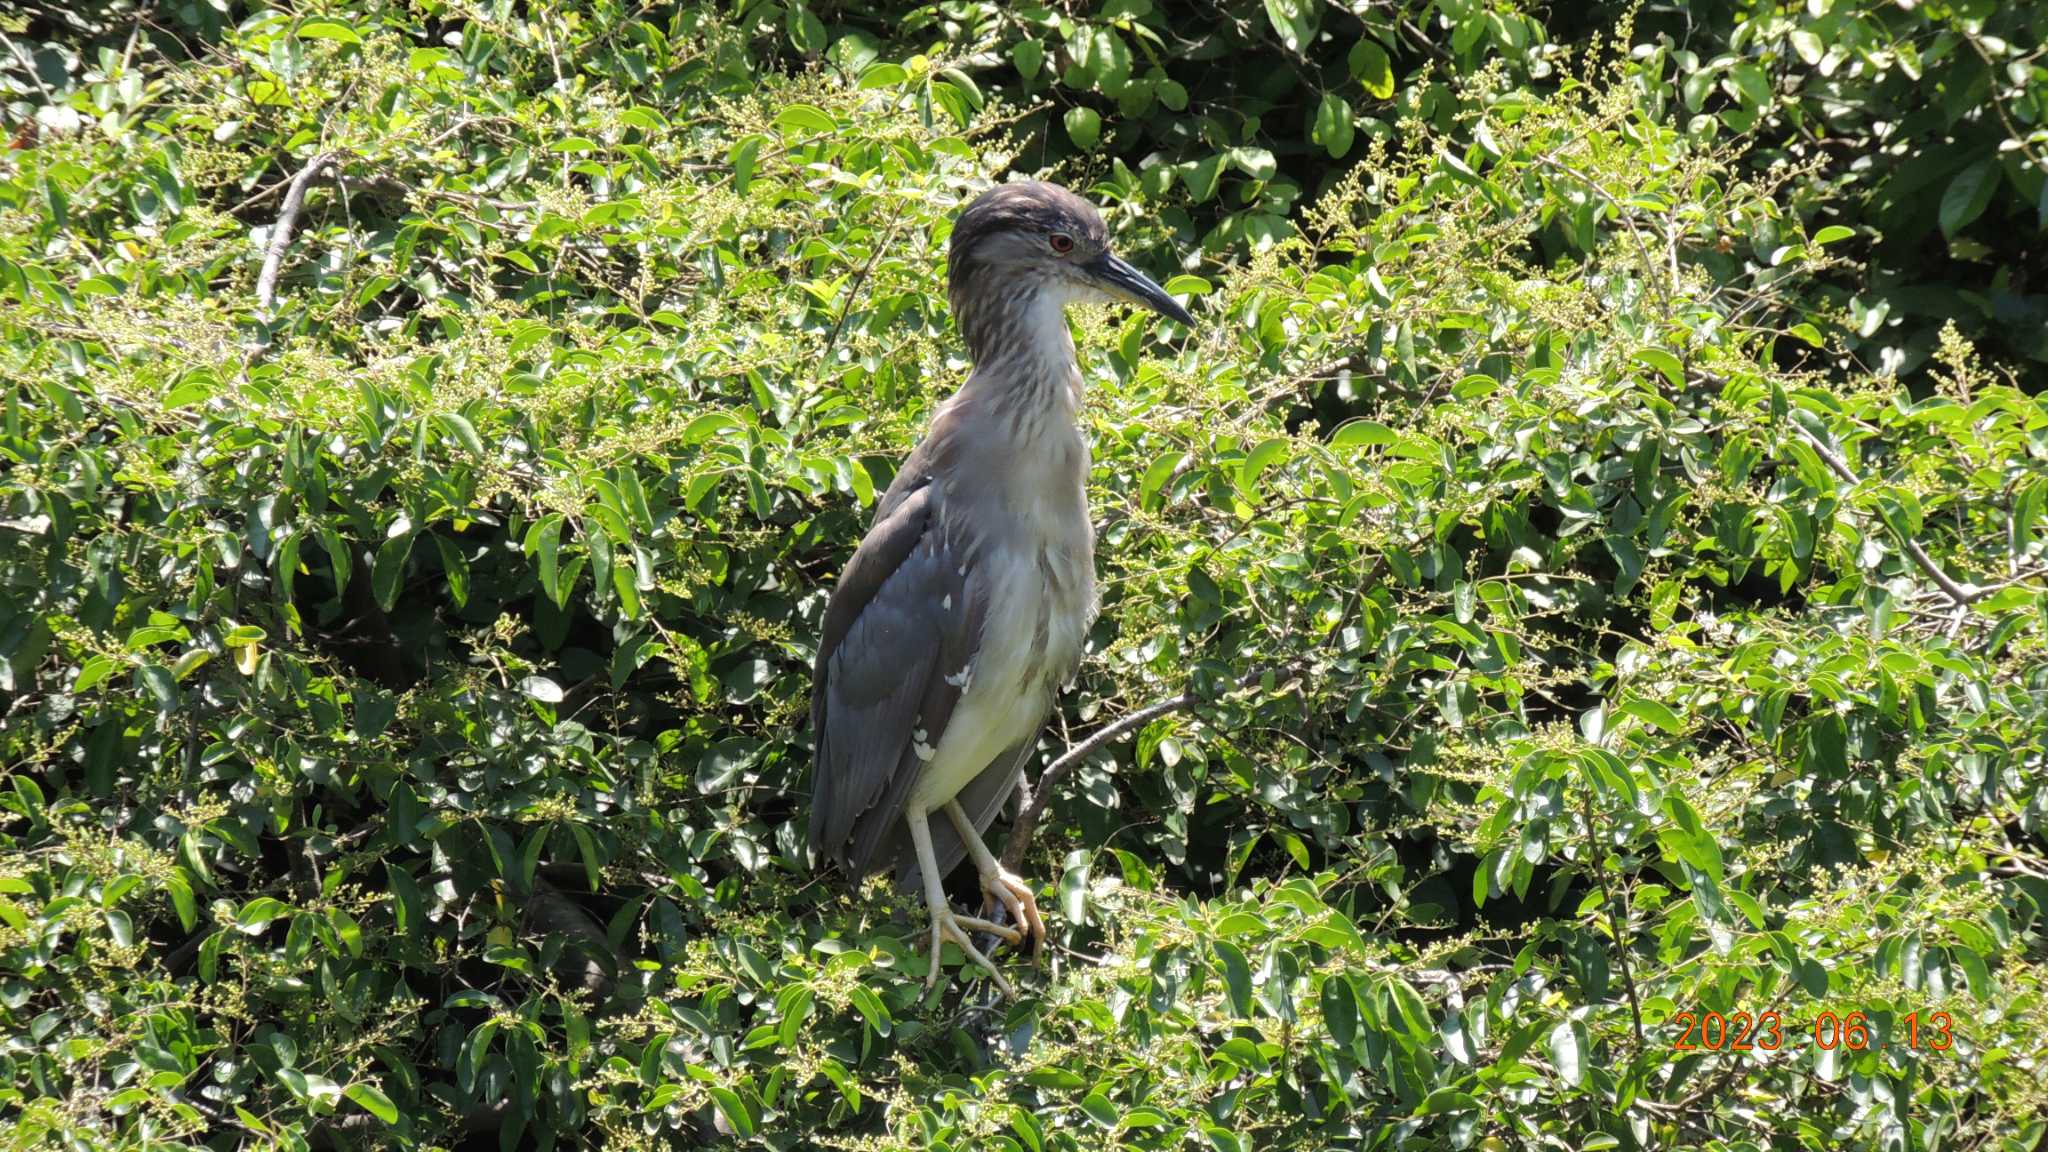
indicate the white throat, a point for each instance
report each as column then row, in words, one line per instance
column 1036, row 367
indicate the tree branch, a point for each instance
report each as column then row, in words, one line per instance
column 1959, row 595
column 1027, row 822
column 1615, row 923
column 287, row 220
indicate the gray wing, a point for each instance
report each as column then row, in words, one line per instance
column 902, row 610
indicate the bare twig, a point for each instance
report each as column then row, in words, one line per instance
column 1957, row 593
column 1615, row 921
column 461, row 125
column 28, row 66
column 287, row 221
column 853, row 292
column 1422, row 38
column 258, row 197
column 82, row 333
column 1960, row 595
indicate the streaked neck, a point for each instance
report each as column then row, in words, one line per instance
column 1024, row 358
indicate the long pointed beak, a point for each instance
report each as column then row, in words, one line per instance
column 1112, row 273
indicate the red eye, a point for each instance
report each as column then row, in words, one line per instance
column 1061, row 242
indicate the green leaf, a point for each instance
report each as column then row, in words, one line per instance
column 645, row 119
column 1257, row 163
column 387, row 574
column 1029, row 56
column 1354, row 434
column 544, row 542
column 625, row 582
column 1157, row 474
column 804, row 119
column 1340, row 1009
column 883, row 74
column 871, row 1009
column 1294, row 21
column 257, row 914
column 372, row 1100
column 157, row 680
column 586, row 847
column 1414, row 1013
column 456, row 425
column 1751, row 85
column 1203, row 176
column 1447, row 1100
column 1332, row 127
column 1101, row 61
column 806, row 32
column 1372, row 67
column 1651, row 712
column 1074, row 887
column 454, row 569
column 1664, row 362
column 189, row 662
column 1084, row 127
column 182, row 900
column 92, row 672
column 1968, row 195
column 1268, row 453
column 1565, row 1053
column 708, row 425
column 1831, row 234
column 743, row 157
column 1237, row 976
column 328, row 30
column 1808, row 46
column 734, row 1110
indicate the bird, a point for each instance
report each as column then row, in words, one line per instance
column 964, row 609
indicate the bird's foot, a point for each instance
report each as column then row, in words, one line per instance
column 1016, row 897
column 949, row 925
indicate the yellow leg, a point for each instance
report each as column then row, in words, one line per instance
column 945, row 924
column 998, row 884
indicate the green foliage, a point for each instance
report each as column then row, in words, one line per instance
column 1925, row 128
column 1222, row 118
column 403, row 682
column 1922, row 127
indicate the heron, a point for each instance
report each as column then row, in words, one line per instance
column 964, row 609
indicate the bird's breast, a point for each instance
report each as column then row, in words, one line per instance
column 1041, row 600
column 1024, row 521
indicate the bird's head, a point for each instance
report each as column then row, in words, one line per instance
column 1033, row 237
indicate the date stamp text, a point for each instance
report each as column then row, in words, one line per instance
column 1771, row 1031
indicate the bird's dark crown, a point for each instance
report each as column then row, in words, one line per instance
column 1026, row 206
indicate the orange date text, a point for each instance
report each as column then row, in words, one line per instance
column 1769, row 1031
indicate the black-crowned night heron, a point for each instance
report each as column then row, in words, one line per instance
column 965, row 607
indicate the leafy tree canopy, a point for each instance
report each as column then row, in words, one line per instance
column 1592, row 548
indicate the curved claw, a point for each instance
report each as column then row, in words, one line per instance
column 1016, row 898
column 947, row 925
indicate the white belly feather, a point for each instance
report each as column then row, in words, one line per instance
column 1030, row 640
